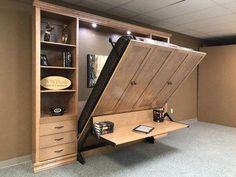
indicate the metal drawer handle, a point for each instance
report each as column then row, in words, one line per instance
column 169, row 83
column 58, row 151
column 133, row 83
column 59, row 139
column 59, row 127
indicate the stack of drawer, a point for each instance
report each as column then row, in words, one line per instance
column 57, row 139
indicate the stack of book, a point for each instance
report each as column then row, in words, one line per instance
column 101, row 128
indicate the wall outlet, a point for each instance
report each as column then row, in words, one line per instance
column 171, row 110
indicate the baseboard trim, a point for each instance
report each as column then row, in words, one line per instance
column 15, row 161
column 190, row 121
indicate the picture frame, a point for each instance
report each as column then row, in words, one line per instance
column 95, row 64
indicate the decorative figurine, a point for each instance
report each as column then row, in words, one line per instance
column 44, row 60
column 48, row 31
column 65, row 35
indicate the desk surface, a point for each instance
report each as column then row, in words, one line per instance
column 126, row 134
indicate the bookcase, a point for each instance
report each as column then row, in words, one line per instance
column 54, row 137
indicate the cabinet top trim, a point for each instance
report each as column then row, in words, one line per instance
column 84, row 16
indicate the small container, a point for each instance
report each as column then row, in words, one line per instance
column 158, row 115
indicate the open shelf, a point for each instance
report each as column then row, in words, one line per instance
column 47, row 118
column 56, row 91
column 58, row 67
column 56, row 44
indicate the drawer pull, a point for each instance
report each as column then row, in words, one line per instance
column 133, row 83
column 59, row 127
column 169, row 83
column 59, row 139
column 58, row 151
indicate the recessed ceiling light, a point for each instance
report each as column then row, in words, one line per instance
column 94, row 25
column 128, row 32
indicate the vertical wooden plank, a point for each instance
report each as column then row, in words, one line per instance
column 36, row 84
column 77, row 73
column 143, row 77
column 167, row 70
column 126, row 69
column 181, row 74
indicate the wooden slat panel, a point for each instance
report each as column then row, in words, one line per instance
column 160, row 79
column 129, row 118
column 129, row 64
column 143, row 77
column 183, row 71
column 126, row 134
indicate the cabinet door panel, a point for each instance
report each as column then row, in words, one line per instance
column 181, row 74
column 158, row 82
column 142, row 78
column 126, row 69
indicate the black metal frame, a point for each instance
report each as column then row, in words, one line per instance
column 150, row 140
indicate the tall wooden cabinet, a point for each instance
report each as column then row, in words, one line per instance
column 54, row 137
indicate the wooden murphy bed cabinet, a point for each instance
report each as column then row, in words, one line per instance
column 54, row 139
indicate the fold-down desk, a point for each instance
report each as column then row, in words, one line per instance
column 126, row 122
column 125, row 134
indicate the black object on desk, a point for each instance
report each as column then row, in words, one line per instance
column 143, row 129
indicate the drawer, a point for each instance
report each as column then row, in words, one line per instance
column 57, row 127
column 57, row 151
column 57, row 139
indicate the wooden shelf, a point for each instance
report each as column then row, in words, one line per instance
column 57, row 44
column 56, row 91
column 58, row 67
column 47, row 118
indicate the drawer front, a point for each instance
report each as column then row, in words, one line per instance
column 57, row 151
column 57, row 139
column 57, row 127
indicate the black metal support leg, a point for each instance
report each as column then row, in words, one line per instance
column 150, row 140
column 84, row 135
column 80, row 158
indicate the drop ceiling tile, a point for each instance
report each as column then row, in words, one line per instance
column 207, row 23
column 144, row 19
column 223, row 1
column 179, row 29
column 231, row 6
column 115, row 3
column 94, row 4
column 214, row 28
column 122, row 12
column 162, row 24
column 181, row 8
column 142, row 6
column 194, row 33
column 199, row 15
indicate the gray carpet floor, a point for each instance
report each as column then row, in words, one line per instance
column 203, row 150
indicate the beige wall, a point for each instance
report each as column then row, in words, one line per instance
column 15, row 76
column 92, row 41
column 217, row 86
